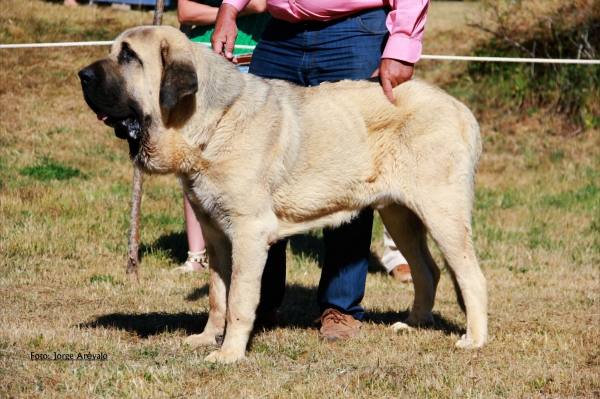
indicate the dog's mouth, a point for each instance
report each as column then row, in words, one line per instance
column 127, row 127
column 130, row 128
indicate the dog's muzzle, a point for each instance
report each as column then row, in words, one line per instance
column 98, row 97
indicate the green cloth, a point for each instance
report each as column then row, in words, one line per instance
column 250, row 27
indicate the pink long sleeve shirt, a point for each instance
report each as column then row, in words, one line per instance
column 406, row 21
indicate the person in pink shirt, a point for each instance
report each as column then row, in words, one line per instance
column 308, row 42
column 405, row 22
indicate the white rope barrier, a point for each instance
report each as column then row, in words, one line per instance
column 424, row 56
column 508, row 59
column 67, row 44
column 74, row 44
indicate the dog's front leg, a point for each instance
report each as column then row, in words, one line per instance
column 249, row 249
column 219, row 256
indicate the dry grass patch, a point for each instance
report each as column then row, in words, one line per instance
column 62, row 257
column 447, row 33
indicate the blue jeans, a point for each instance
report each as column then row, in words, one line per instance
column 309, row 53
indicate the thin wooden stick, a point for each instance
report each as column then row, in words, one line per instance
column 133, row 242
column 134, row 224
column 158, row 12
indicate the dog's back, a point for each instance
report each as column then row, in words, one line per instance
column 346, row 147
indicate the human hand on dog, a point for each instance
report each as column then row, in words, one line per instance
column 393, row 73
column 225, row 33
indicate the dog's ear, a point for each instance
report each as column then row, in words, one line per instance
column 179, row 78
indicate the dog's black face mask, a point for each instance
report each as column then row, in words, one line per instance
column 104, row 91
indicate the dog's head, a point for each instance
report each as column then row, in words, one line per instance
column 149, row 72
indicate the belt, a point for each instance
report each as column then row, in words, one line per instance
column 318, row 25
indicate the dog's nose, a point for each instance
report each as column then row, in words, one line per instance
column 87, row 75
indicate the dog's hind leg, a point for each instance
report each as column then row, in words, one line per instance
column 219, row 258
column 410, row 237
column 449, row 223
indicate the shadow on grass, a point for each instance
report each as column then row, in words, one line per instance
column 390, row 317
column 173, row 245
column 197, row 293
column 145, row 325
column 299, row 310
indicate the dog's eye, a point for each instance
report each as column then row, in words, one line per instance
column 128, row 55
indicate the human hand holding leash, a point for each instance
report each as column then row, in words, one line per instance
column 393, row 73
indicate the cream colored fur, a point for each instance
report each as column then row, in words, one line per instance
column 263, row 159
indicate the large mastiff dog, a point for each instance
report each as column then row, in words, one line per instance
column 263, row 159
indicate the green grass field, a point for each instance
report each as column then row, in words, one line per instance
column 64, row 208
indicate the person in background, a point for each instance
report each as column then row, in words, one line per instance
column 196, row 260
column 309, row 42
column 197, row 20
column 393, row 261
column 71, row 3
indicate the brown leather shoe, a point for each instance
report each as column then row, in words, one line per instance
column 401, row 273
column 336, row 325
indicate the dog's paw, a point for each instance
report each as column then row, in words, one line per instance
column 399, row 326
column 467, row 343
column 194, row 341
column 412, row 322
column 221, row 356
